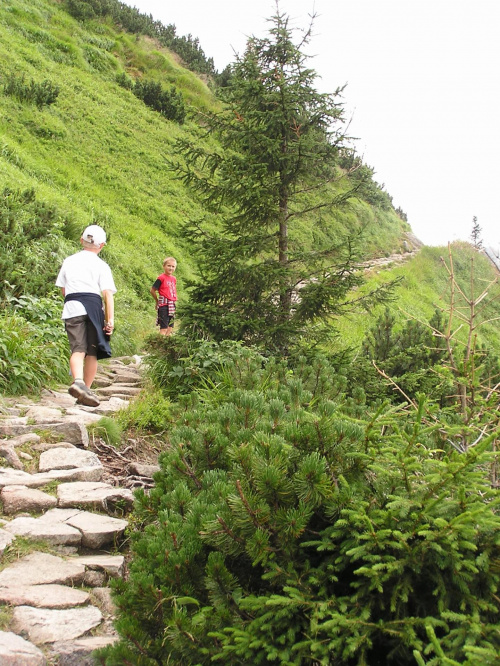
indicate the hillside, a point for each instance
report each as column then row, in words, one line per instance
column 425, row 286
column 99, row 154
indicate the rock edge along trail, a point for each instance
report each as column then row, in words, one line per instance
column 56, row 491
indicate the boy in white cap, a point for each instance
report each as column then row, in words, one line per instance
column 83, row 278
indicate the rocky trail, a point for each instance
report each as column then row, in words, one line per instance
column 64, row 498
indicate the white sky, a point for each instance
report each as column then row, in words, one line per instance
column 423, row 90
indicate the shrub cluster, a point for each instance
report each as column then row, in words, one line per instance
column 170, row 103
column 289, row 525
column 42, row 94
column 180, row 365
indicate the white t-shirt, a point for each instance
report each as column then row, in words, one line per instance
column 83, row 272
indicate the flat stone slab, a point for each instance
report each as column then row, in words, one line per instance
column 73, row 431
column 70, row 527
column 57, row 534
column 94, row 495
column 127, row 372
column 119, row 389
column 14, row 477
column 42, row 413
column 61, row 399
column 100, row 381
column 79, row 651
column 16, row 499
column 86, row 417
column 141, row 469
column 47, row 626
column 63, row 458
column 46, row 446
column 114, row 404
column 29, row 438
column 42, row 569
column 15, row 651
column 97, row 530
column 6, row 538
column 44, row 596
column 112, row 565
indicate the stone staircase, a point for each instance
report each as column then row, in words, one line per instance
column 62, row 523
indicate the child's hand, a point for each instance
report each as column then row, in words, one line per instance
column 109, row 327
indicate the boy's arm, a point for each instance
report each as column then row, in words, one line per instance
column 109, row 311
column 154, row 294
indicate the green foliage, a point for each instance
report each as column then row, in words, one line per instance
column 169, row 103
column 179, row 365
column 33, row 347
column 408, row 354
column 149, row 412
column 108, row 429
column 42, row 94
column 284, row 529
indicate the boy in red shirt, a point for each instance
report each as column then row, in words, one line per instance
column 164, row 291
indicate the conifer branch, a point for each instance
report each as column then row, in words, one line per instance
column 189, row 472
column 249, row 509
column 396, row 386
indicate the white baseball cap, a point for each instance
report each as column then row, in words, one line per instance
column 94, row 234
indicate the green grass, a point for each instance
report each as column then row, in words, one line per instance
column 425, row 286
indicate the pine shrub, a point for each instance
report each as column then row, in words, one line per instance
column 42, row 94
column 287, row 527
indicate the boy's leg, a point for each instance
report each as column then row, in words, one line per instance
column 165, row 321
column 77, row 329
column 76, row 364
column 89, row 370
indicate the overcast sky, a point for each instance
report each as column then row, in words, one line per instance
column 423, row 91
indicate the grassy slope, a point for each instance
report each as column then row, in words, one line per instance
column 99, row 154
column 425, row 286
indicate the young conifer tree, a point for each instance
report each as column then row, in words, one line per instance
column 280, row 140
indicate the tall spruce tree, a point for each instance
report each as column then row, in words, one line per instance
column 280, row 140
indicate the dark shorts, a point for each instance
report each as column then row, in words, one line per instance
column 82, row 335
column 163, row 319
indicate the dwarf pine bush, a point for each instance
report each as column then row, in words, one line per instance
column 42, row 94
column 288, row 527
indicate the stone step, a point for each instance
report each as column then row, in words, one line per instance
column 15, row 651
column 42, row 625
column 79, row 652
column 86, row 494
column 43, row 569
column 67, row 458
column 69, row 527
column 17, row 477
column 73, row 430
column 18, row 499
column 44, row 596
column 119, row 389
